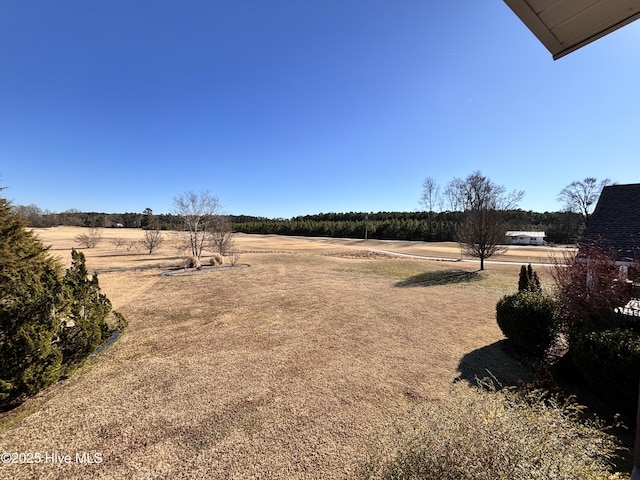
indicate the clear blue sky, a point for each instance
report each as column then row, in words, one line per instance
column 288, row 107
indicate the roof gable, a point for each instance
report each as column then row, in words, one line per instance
column 616, row 221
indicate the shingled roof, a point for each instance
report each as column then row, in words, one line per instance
column 616, row 221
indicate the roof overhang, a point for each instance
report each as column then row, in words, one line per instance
column 512, row 233
column 564, row 26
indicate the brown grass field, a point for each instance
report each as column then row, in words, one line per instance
column 288, row 369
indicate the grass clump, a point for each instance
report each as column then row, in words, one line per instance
column 487, row 434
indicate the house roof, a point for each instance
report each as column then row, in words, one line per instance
column 632, row 308
column 616, row 221
column 525, row 234
column 564, row 26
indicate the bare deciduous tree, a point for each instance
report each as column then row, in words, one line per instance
column 581, row 196
column 222, row 239
column 118, row 242
column 91, row 238
column 179, row 242
column 483, row 203
column 153, row 238
column 431, row 199
column 132, row 244
column 198, row 212
column 234, row 257
column 31, row 214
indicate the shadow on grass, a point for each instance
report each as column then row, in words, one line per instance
column 494, row 362
column 440, row 277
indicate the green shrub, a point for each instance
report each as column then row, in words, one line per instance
column 49, row 322
column 609, row 361
column 488, row 435
column 527, row 320
column 85, row 325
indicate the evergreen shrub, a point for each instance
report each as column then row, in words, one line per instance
column 49, row 321
column 527, row 320
column 609, row 361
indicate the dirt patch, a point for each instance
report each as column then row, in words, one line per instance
column 361, row 254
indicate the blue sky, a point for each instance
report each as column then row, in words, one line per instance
column 291, row 107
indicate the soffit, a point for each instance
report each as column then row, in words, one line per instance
column 564, row 26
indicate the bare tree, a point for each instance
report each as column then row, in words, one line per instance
column 430, row 200
column 234, row 256
column 483, row 203
column 118, row 242
column 132, row 244
column 198, row 212
column 179, row 242
column 581, row 196
column 31, row 214
column 222, row 238
column 91, row 238
column 152, row 239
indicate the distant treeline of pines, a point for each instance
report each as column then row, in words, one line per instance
column 560, row 227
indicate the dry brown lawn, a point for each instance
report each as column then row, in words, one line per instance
column 288, row 369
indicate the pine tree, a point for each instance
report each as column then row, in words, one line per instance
column 528, row 280
column 523, row 280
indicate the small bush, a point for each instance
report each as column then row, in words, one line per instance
column 216, row 260
column 527, row 320
column 193, row 262
column 609, row 361
column 488, row 435
column 234, row 257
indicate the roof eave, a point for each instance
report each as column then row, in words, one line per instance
column 594, row 37
column 545, row 35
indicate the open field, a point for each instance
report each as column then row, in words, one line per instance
column 287, row 369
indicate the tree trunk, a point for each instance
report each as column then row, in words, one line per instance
column 481, row 263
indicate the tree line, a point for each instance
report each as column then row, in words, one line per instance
column 33, row 216
column 560, row 227
column 472, row 198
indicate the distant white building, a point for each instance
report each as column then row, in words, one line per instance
column 525, row 238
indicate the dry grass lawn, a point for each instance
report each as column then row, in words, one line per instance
column 284, row 370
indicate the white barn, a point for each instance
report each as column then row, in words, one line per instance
column 525, row 238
